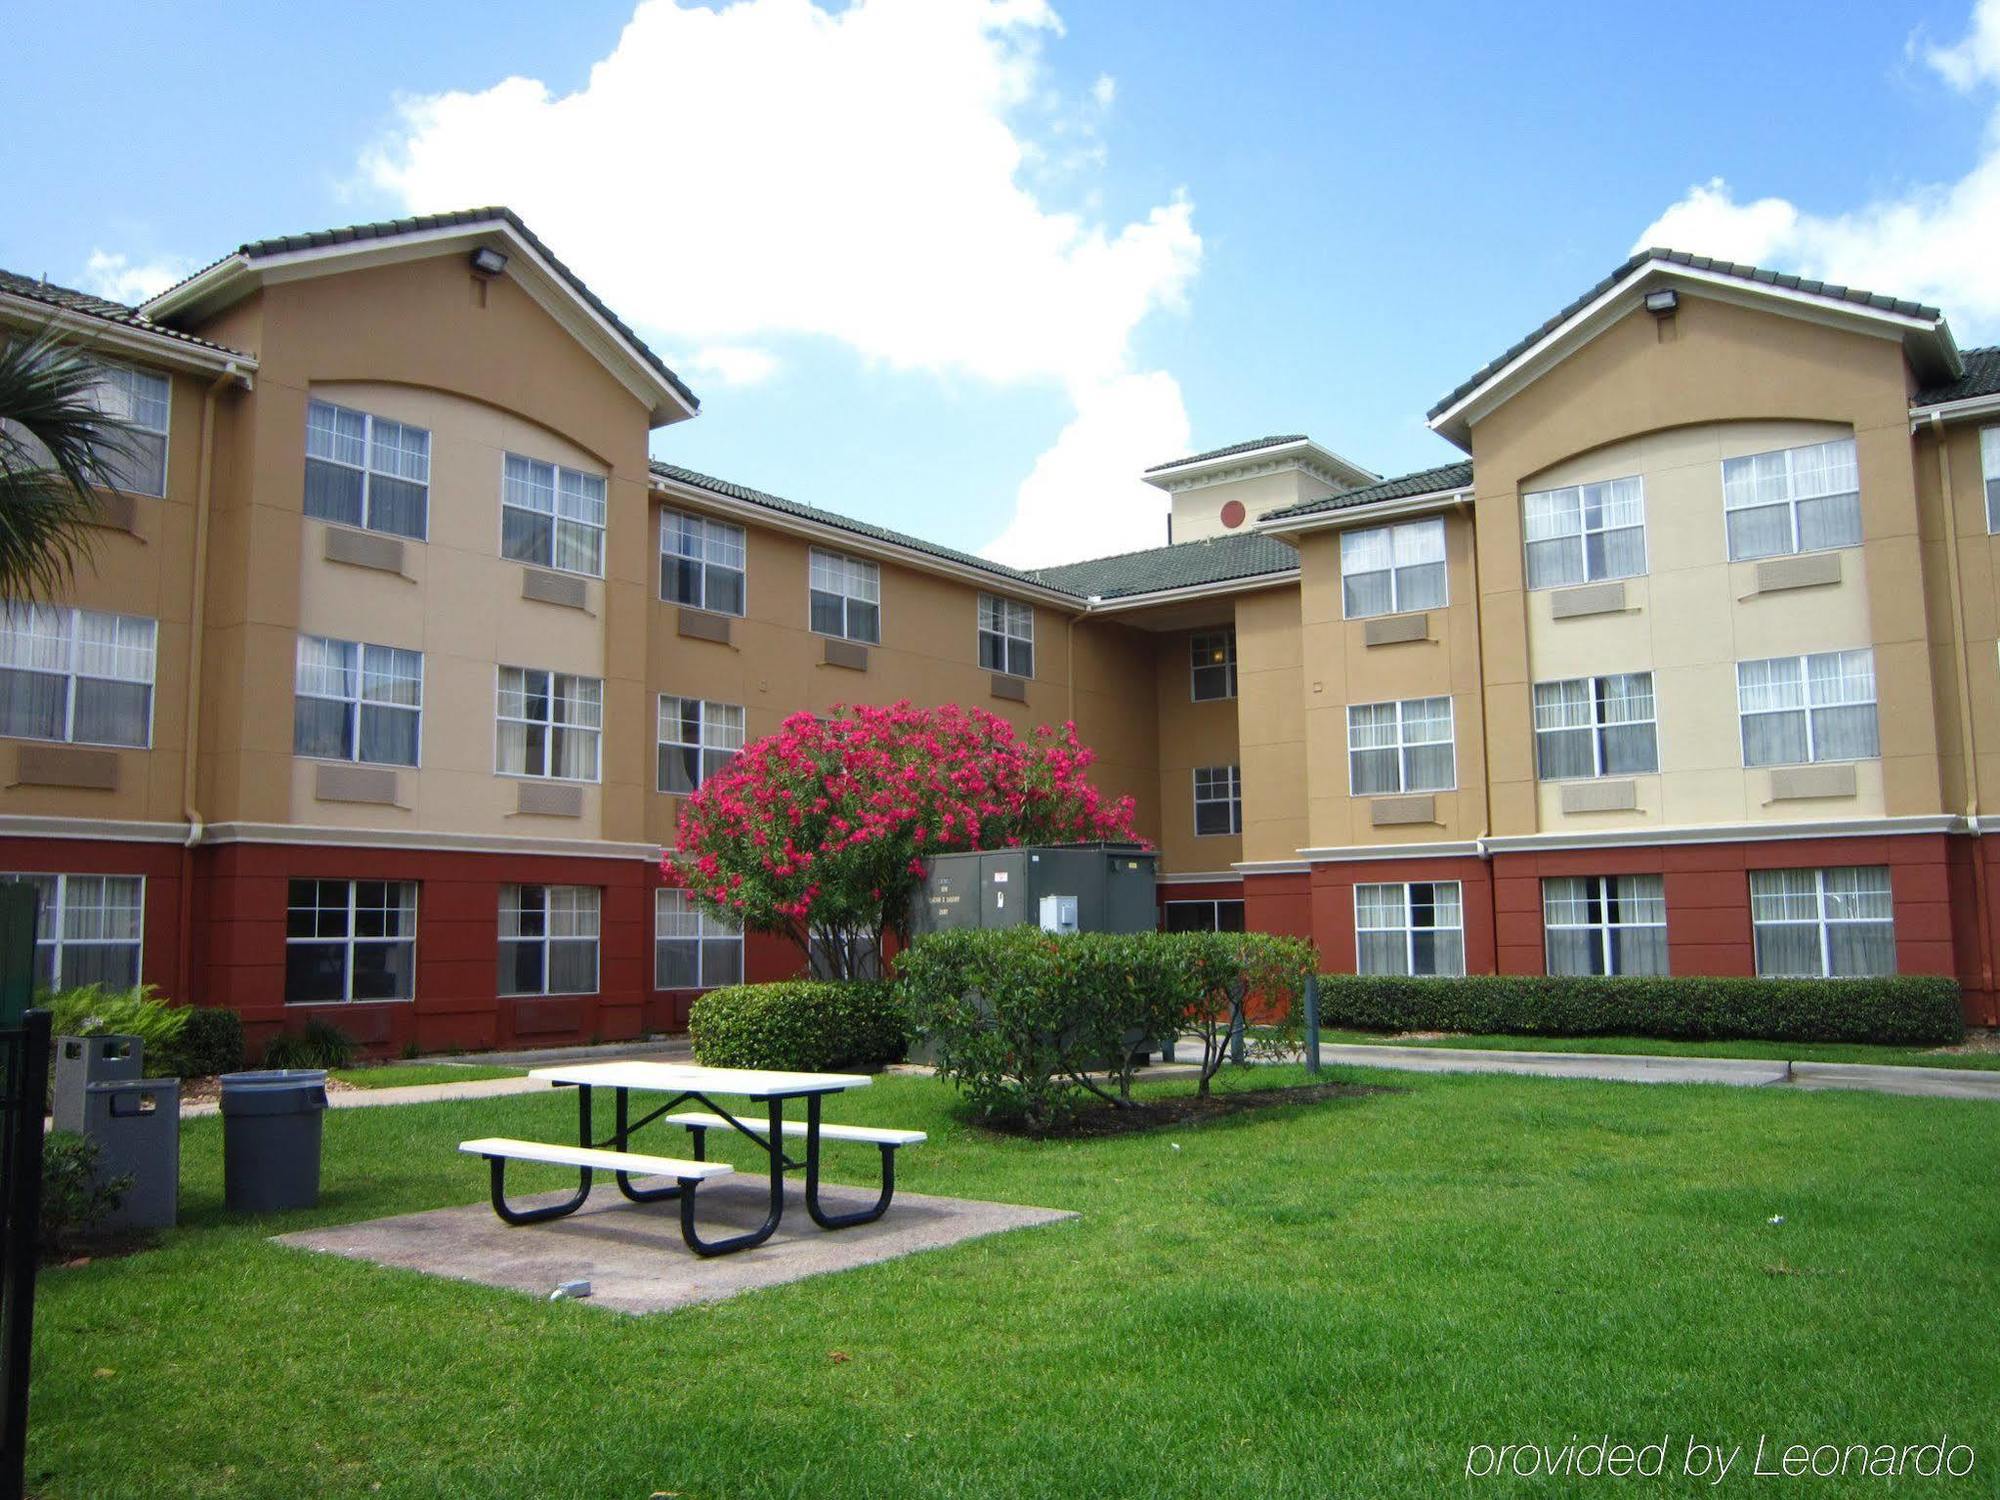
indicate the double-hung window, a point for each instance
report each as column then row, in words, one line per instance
column 551, row 516
column 1400, row 747
column 701, row 563
column 1392, row 570
column 1583, row 533
column 358, row 702
column 1202, row 916
column 692, row 950
column 1006, row 636
column 1418, row 929
column 1212, row 664
column 1823, row 924
column 1596, row 726
column 1989, row 464
column 1218, row 799
column 548, row 939
column 76, row 675
column 364, row 470
column 136, row 460
column 1798, row 709
column 350, row 940
column 1792, row 500
column 87, row 930
column 846, row 597
column 1605, row 924
column 697, row 739
column 550, row 724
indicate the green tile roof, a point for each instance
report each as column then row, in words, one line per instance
column 1456, row 476
column 1249, row 447
column 1217, row 559
column 68, row 299
column 1981, row 378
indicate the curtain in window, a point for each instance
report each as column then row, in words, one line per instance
column 524, row 715
column 1860, row 915
column 1563, row 731
column 1989, row 453
column 34, row 672
column 323, row 709
column 1614, row 523
column 1815, row 488
column 1429, row 763
column 114, row 688
column 1845, row 727
column 392, row 689
column 1381, row 939
column 1631, row 743
column 1366, row 561
column 399, row 457
column 336, row 453
column 1372, row 755
column 579, row 716
column 142, row 399
column 1552, row 523
column 1437, row 939
column 1419, row 554
column 579, row 535
column 1771, row 698
column 527, row 510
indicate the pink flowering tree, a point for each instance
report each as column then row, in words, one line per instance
column 819, row 832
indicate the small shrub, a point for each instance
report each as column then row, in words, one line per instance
column 320, row 1045
column 804, row 1025
column 211, row 1042
column 1909, row 1009
column 98, row 1010
column 75, row 1194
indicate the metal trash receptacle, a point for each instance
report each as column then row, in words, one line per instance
column 83, row 1060
column 136, row 1124
column 271, row 1139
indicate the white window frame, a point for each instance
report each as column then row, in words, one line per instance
column 1598, row 890
column 871, row 571
column 555, row 515
column 714, row 732
column 1989, row 465
column 1597, row 726
column 1227, row 666
column 1823, row 923
column 1584, row 531
column 718, row 541
column 359, row 671
column 1009, row 624
column 350, row 942
column 1229, row 781
column 115, row 400
column 1214, row 907
column 1407, row 926
column 1403, row 745
column 583, row 913
column 52, row 921
column 1808, row 707
column 1350, row 541
column 706, row 930
column 68, row 618
column 368, row 470
column 1791, row 499
column 554, row 694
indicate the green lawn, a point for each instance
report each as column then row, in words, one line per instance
column 402, row 1075
column 1324, row 1300
column 1652, row 1046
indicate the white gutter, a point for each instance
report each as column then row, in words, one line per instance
column 1408, row 505
column 157, row 345
column 1255, row 582
column 1953, row 411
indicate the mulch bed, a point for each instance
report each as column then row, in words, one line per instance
column 1097, row 1119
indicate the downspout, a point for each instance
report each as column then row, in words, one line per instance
column 197, row 615
column 1968, row 742
column 1462, row 505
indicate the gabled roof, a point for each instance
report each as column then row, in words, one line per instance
column 1981, row 378
column 64, row 299
column 1220, row 465
column 213, row 285
column 1230, row 451
column 1443, row 479
column 1926, row 337
column 1183, row 565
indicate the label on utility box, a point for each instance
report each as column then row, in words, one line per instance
column 999, row 877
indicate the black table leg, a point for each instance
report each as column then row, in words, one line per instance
column 624, row 1179
column 498, row 1164
column 861, row 1216
column 774, row 1144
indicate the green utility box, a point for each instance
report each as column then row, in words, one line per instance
column 1057, row 887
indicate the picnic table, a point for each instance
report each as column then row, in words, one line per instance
column 684, row 1083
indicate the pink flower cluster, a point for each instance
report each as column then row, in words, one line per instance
column 826, row 823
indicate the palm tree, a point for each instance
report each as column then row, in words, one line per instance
column 57, row 448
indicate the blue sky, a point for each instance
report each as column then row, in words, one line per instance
column 1337, row 211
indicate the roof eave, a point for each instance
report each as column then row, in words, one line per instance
column 1249, row 583
column 1161, row 478
column 161, row 347
column 1402, row 505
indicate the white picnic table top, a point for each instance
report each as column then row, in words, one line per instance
column 680, row 1078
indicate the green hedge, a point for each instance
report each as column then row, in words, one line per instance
column 1910, row 1009
column 804, row 1025
column 211, row 1042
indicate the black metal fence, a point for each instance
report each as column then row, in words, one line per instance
column 24, row 1088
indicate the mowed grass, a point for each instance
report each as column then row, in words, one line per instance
column 404, row 1075
column 1652, row 1046
column 1324, row 1300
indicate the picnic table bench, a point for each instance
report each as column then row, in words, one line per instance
column 688, row 1082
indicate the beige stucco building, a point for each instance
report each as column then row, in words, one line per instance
column 398, row 651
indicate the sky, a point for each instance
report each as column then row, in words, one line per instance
column 965, row 267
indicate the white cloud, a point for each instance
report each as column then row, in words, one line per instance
column 730, row 177
column 1933, row 242
column 114, row 276
column 731, row 364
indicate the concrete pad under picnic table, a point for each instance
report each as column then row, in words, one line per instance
column 633, row 1256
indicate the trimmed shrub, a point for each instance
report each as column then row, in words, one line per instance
column 211, row 1042
column 319, row 1045
column 1911, row 1009
column 75, row 1194
column 803, row 1026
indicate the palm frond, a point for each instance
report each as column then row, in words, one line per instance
column 58, row 448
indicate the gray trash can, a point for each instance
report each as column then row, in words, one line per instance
column 270, row 1139
column 84, row 1060
column 136, row 1123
